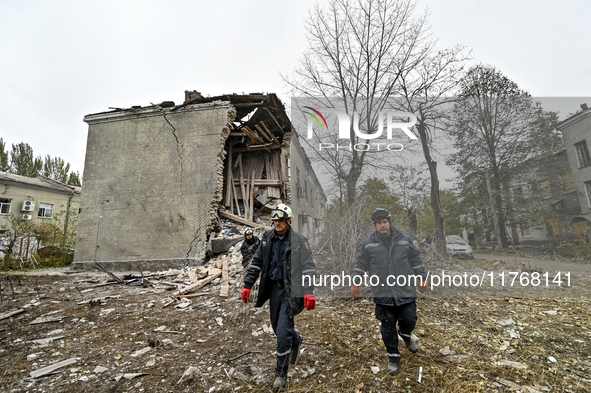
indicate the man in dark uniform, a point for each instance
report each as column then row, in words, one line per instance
column 249, row 246
column 281, row 260
column 391, row 256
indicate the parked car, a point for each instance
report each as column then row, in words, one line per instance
column 458, row 247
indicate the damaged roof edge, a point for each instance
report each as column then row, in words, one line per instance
column 149, row 111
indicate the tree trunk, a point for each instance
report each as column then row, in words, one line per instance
column 502, row 229
column 413, row 222
column 493, row 210
column 351, row 182
column 435, row 200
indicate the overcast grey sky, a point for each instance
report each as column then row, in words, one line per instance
column 62, row 60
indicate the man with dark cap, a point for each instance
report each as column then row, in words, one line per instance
column 249, row 246
column 391, row 256
column 281, row 260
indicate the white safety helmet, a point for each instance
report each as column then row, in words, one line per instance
column 281, row 211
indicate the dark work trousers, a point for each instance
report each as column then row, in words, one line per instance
column 406, row 316
column 283, row 326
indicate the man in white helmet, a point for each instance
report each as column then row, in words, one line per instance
column 391, row 256
column 249, row 246
column 281, row 259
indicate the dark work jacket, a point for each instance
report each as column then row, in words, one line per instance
column 248, row 249
column 401, row 259
column 297, row 261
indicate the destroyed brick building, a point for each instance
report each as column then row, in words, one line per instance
column 160, row 181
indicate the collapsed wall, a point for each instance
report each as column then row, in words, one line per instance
column 153, row 179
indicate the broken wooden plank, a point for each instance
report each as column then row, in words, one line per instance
column 44, row 341
column 49, row 369
column 9, row 314
column 251, row 197
column 263, row 133
column 267, row 146
column 242, row 187
column 246, row 199
column 45, row 319
column 275, row 120
column 239, row 220
column 224, row 290
column 228, row 199
column 270, row 133
column 169, row 303
column 263, row 182
column 101, row 285
column 212, row 276
column 197, row 294
column 252, row 135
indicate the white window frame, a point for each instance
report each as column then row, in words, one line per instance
column 43, row 208
column 583, row 153
column 2, row 204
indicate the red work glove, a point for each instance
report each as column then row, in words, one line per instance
column 355, row 291
column 309, row 302
column 423, row 286
column 245, row 295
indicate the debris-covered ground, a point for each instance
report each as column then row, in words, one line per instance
column 117, row 337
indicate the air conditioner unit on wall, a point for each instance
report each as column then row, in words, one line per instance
column 28, row 206
column 26, row 216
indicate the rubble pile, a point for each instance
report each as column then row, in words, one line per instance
column 179, row 330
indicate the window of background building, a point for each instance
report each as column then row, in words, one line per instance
column 552, row 226
column 525, row 229
column 45, row 210
column 568, row 182
column 588, row 187
column 579, row 228
column 583, row 154
column 5, row 205
column 545, row 189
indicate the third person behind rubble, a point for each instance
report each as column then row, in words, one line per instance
column 249, row 246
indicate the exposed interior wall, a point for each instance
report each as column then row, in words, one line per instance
column 308, row 200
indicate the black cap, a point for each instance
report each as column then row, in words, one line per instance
column 380, row 214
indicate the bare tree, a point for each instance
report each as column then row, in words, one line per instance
column 497, row 128
column 428, row 90
column 410, row 187
column 358, row 51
